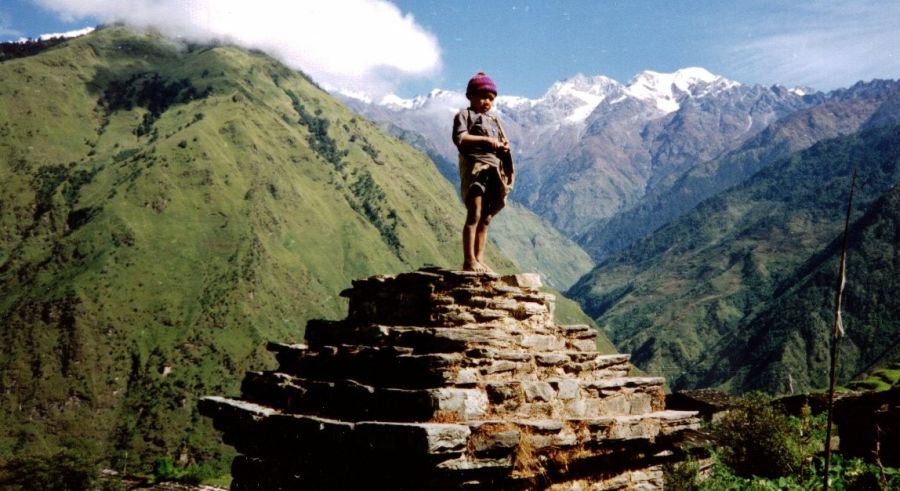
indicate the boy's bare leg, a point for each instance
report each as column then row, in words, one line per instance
column 470, row 234
column 480, row 240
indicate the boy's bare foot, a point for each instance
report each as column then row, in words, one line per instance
column 474, row 266
column 486, row 268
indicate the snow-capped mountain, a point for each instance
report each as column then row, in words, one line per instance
column 667, row 90
column 437, row 99
column 590, row 147
column 573, row 100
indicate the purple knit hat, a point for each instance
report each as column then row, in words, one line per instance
column 480, row 82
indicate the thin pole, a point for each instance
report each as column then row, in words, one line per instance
column 838, row 331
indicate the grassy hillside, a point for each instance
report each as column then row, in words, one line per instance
column 879, row 379
column 791, row 334
column 166, row 209
column 672, row 298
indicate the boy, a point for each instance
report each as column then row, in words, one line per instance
column 485, row 168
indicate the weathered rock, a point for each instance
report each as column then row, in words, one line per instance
column 448, row 380
column 524, row 280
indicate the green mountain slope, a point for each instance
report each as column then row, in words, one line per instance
column 791, row 334
column 165, row 210
column 676, row 295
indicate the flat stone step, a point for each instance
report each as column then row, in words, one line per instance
column 345, row 400
column 292, row 348
column 400, row 367
column 442, row 298
column 380, row 366
column 296, row 447
column 275, row 429
column 435, row 339
column 255, row 430
column 578, row 331
column 494, row 437
column 651, row 426
column 571, row 397
column 354, row 401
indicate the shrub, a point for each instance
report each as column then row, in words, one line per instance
column 164, row 470
column 756, row 439
column 682, row 476
column 67, row 470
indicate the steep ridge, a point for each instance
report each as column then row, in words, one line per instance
column 789, row 336
column 166, row 209
column 672, row 297
column 844, row 111
column 628, row 148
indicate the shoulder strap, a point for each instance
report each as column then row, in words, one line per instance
column 469, row 119
column 500, row 127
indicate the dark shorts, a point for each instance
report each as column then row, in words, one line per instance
column 487, row 184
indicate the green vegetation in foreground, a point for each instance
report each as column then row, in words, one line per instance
column 166, row 209
column 758, row 447
column 709, row 299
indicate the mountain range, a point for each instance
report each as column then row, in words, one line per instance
column 591, row 147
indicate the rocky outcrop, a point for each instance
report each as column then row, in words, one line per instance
column 447, row 380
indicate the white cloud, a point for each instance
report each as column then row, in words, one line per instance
column 357, row 45
column 824, row 45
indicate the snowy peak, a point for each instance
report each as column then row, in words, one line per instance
column 580, row 95
column 437, row 98
column 395, row 102
column 582, row 84
column 572, row 101
column 667, row 90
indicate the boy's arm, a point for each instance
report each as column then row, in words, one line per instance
column 474, row 141
column 466, row 141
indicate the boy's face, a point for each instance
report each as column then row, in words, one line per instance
column 482, row 101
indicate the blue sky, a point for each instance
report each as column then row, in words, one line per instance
column 412, row 46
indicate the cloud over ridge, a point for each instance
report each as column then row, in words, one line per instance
column 360, row 45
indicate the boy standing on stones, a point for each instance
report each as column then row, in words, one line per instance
column 486, row 170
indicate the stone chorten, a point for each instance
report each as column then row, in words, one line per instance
column 448, row 380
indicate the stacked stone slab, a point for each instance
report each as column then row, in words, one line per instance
column 448, row 380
